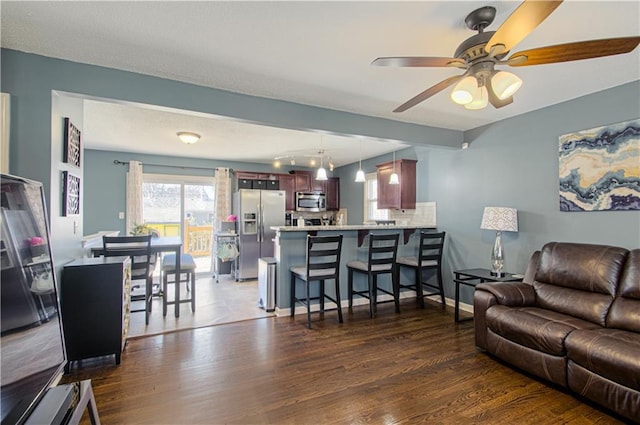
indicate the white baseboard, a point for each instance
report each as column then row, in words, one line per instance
column 360, row 301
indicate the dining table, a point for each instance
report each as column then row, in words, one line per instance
column 162, row 244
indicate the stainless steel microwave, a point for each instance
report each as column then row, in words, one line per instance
column 312, row 202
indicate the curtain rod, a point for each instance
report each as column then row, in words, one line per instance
column 117, row 162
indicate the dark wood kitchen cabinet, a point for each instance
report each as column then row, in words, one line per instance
column 288, row 184
column 400, row 196
column 303, row 180
column 95, row 306
column 331, row 188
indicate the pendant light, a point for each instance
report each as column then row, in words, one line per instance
column 393, row 178
column 360, row 174
column 322, row 173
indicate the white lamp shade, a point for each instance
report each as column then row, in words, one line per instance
column 480, row 99
column 505, row 84
column 360, row 176
column 500, row 218
column 188, row 137
column 322, row 174
column 463, row 91
column 393, row 178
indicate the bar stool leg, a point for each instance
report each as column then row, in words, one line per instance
column 371, row 282
column 395, row 283
column 292, row 294
column 350, row 288
column 308, row 306
column 164, row 289
column 338, row 300
column 193, row 292
column 419, row 292
column 322, row 296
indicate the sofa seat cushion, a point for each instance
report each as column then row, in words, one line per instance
column 533, row 327
column 611, row 353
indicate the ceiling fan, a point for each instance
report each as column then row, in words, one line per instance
column 479, row 54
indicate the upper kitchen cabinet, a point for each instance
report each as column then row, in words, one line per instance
column 333, row 194
column 288, row 184
column 303, row 180
column 397, row 196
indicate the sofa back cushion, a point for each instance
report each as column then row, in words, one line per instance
column 579, row 279
column 625, row 311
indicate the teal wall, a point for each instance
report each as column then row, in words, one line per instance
column 104, row 185
column 513, row 162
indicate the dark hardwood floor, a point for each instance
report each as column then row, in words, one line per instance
column 417, row 366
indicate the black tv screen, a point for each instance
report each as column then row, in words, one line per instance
column 31, row 341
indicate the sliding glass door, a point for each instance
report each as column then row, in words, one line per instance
column 182, row 206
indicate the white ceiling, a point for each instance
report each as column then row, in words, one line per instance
column 315, row 53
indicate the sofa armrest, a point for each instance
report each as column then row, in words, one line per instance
column 492, row 293
column 510, row 293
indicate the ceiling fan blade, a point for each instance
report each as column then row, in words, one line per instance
column 520, row 23
column 495, row 100
column 417, row 61
column 575, row 51
column 429, row 92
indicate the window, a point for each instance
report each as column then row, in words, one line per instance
column 182, row 206
column 371, row 211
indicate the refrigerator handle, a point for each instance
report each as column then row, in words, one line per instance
column 259, row 223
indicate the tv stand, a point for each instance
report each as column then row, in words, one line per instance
column 65, row 405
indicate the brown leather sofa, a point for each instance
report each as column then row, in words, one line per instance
column 574, row 321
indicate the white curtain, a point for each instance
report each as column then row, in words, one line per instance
column 134, row 195
column 222, row 196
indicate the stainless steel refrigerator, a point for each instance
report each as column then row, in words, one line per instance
column 257, row 211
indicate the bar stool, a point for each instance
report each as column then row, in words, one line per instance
column 188, row 269
column 429, row 258
column 382, row 258
column 323, row 262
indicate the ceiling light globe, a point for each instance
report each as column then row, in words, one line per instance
column 464, row 90
column 505, row 84
column 188, row 137
column 480, row 99
column 360, row 176
column 293, row 161
column 276, row 163
column 312, row 162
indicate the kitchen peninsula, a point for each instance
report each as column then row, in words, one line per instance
column 290, row 250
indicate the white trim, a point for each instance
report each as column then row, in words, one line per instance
column 5, row 125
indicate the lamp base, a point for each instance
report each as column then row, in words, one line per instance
column 498, row 274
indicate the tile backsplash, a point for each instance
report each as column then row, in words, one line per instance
column 423, row 215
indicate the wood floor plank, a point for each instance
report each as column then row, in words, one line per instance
column 417, row 366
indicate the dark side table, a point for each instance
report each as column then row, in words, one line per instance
column 472, row 277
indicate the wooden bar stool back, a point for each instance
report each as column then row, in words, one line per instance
column 382, row 254
column 187, row 276
column 429, row 258
column 323, row 263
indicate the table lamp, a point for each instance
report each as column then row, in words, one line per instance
column 500, row 219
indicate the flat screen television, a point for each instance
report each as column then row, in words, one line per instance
column 31, row 341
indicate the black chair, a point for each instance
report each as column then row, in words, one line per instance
column 323, row 262
column 138, row 248
column 429, row 258
column 381, row 260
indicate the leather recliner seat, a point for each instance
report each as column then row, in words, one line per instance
column 574, row 321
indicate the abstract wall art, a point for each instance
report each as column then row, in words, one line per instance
column 72, row 143
column 600, row 168
column 70, row 194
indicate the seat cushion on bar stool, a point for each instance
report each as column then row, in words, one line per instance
column 301, row 271
column 361, row 265
column 413, row 262
column 187, row 263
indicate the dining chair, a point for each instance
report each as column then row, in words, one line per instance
column 429, row 257
column 138, row 248
column 382, row 254
column 322, row 263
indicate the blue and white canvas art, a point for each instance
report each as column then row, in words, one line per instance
column 600, row 168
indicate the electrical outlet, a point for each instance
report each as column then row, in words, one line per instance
column 121, row 215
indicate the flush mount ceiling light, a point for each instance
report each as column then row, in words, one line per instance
column 479, row 54
column 188, row 137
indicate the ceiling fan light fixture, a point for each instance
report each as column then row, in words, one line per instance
column 463, row 92
column 505, row 84
column 188, row 137
column 480, row 99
